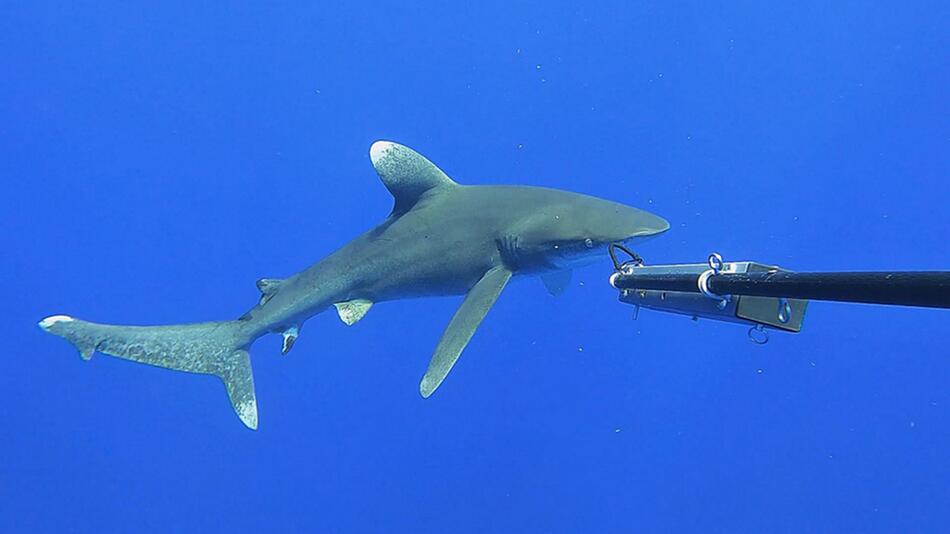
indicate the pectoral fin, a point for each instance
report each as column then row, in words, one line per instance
column 462, row 326
column 556, row 282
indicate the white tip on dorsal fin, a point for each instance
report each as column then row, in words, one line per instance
column 353, row 310
column 406, row 173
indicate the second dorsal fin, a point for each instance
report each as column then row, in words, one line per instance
column 406, row 173
column 269, row 287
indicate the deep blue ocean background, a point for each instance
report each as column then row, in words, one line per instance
column 158, row 158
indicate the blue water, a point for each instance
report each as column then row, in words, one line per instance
column 157, row 159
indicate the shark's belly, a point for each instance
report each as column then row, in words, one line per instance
column 423, row 277
column 416, row 268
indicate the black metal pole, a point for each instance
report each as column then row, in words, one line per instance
column 930, row 289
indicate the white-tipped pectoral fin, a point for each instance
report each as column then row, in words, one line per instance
column 457, row 334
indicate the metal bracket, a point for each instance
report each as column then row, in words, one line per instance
column 757, row 312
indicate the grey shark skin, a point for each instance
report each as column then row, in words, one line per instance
column 441, row 238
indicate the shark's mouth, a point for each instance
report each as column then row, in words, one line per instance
column 644, row 236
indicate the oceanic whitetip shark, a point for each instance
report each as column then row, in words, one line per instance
column 442, row 238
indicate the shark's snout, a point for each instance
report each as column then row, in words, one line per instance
column 652, row 224
column 640, row 224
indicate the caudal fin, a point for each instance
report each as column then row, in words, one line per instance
column 218, row 348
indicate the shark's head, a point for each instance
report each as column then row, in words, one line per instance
column 571, row 229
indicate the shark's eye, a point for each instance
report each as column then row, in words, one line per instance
column 589, row 243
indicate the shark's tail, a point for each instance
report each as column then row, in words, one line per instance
column 218, row 348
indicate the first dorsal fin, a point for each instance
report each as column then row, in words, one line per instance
column 268, row 287
column 406, row 173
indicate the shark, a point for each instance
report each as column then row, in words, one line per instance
column 441, row 238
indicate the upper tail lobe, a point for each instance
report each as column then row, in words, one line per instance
column 215, row 348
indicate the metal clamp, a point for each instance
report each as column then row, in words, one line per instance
column 634, row 261
column 686, row 289
column 622, row 268
column 715, row 267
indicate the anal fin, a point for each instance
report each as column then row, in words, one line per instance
column 290, row 337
